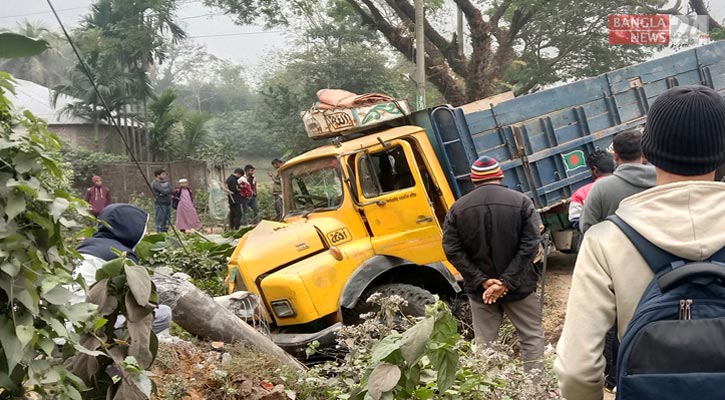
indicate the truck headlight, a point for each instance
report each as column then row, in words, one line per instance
column 283, row 308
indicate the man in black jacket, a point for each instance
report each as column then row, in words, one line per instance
column 235, row 199
column 491, row 236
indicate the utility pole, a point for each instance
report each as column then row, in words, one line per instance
column 459, row 32
column 420, row 54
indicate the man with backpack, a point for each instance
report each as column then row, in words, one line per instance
column 675, row 340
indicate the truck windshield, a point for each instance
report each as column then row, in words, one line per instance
column 315, row 185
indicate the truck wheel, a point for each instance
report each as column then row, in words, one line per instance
column 461, row 309
column 416, row 297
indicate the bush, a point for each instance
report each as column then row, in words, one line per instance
column 203, row 260
column 85, row 163
column 429, row 360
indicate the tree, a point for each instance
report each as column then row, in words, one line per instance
column 335, row 52
column 37, row 224
column 193, row 134
column 202, row 81
column 163, row 117
column 541, row 38
column 112, row 87
column 119, row 41
column 47, row 68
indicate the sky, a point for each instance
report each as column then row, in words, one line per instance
column 250, row 45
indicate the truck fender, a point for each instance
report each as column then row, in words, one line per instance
column 372, row 268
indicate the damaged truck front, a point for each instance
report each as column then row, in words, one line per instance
column 364, row 214
column 360, row 216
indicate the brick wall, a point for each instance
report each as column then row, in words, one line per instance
column 124, row 179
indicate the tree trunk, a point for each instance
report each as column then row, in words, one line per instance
column 701, row 9
column 200, row 315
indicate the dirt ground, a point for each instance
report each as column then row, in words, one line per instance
column 556, row 294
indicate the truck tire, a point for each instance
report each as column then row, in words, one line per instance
column 416, row 297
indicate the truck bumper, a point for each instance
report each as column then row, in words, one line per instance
column 296, row 343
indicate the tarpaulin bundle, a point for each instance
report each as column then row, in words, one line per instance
column 337, row 98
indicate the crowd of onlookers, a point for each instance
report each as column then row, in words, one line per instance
column 650, row 270
column 242, row 192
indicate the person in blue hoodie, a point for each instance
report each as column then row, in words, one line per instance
column 126, row 226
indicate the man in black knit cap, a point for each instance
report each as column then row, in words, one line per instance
column 684, row 138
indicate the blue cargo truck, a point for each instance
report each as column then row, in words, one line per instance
column 541, row 139
column 364, row 214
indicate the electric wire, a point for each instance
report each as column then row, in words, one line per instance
column 41, row 12
column 92, row 81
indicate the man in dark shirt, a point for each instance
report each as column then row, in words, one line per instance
column 235, row 199
column 491, row 236
column 162, row 199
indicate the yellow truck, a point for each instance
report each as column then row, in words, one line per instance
column 365, row 212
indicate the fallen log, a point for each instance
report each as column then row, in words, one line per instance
column 200, row 315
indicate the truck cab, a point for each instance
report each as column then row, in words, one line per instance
column 358, row 214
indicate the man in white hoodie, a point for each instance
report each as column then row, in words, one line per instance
column 684, row 139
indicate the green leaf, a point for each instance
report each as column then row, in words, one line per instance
column 23, row 186
column 11, row 345
column 110, row 269
column 41, row 220
column 447, row 370
column 27, row 294
column 58, row 296
column 11, row 268
column 49, row 283
column 387, row 346
column 139, row 282
column 414, row 340
column 56, row 326
column 383, row 379
column 72, row 392
column 13, row 45
column 58, row 207
column 42, row 371
column 99, row 323
column 15, row 205
column 46, row 345
column 25, row 333
column 423, row 393
column 80, row 312
column 25, row 162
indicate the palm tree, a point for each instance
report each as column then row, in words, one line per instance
column 47, row 68
column 119, row 40
column 193, row 134
column 133, row 34
column 163, row 118
column 89, row 106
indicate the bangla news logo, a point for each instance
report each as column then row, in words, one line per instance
column 657, row 29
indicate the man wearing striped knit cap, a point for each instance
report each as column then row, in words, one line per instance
column 491, row 236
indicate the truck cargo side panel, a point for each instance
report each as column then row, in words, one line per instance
column 531, row 135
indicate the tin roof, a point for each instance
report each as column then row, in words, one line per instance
column 36, row 98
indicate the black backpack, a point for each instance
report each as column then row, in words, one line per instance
column 674, row 346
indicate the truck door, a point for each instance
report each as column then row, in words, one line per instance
column 395, row 204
